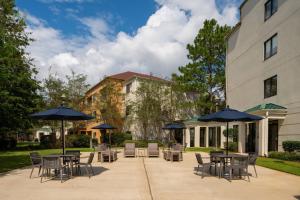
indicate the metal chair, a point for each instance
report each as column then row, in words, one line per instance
column 215, row 161
column 52, row 163
column 200, row 163
column 75, row 160
column 153, row 150
column 252, row 161
column 240, row 164
column 36, row 161
column 88, row 164
column 129, row 150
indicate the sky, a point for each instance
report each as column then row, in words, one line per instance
column 103, row 37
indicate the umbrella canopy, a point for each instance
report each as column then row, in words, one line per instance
column 173, row 126
column 104, row 127
column 61, row 113
column 229, row 115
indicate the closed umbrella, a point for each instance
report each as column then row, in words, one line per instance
column 229, row 115
column 105, row 127
column 61, row 113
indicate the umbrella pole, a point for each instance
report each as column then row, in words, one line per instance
column 227, row 131
column 63, row 136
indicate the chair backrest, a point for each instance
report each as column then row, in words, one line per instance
column 199, row 158
column 252, row 159
column 177, row 147
column 130, row 146
column 102, row 147
column 91, row 157
column 153, row 146
column 51, row 162
column 241, row 161
column 35, row 158
column 73, row 152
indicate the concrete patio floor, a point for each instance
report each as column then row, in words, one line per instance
column 149, row 178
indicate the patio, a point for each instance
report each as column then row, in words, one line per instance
column 150, row 178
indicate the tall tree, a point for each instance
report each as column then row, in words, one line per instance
column 18, row 88
column 204, row 75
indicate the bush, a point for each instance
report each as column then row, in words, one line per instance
column 77, row 141
column 94, row 142
column 291, row 146
column 142, row 143
column 232, row 146
column 290, row 156
column 49, row 142
column 7, row 143
column 117, row 139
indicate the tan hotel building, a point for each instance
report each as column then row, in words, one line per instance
column 263, row 73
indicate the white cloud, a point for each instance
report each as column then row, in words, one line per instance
column 158, row 47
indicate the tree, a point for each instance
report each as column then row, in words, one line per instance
column 151, row 108
column 19, row 90
column 109, row 101
column 204, row 75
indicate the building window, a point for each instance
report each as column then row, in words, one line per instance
column 270, row 8
column 128, row 88
column 192, row 137
column 270, row 87
column 270, row 47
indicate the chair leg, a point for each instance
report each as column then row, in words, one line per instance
column 255, row 170
column 202, row 173
column 40, row 170
column 92, row 169
column 31, row 172
column 60, row 171
column 42, row 175
column 87, row 171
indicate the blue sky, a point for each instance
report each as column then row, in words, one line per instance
column 102, row 37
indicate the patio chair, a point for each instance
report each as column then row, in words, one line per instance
column 214, row 162
column 109, row 155
column 201, row 164
column 153, row 150
column 88, row 165
column 166, row 155
column 252, row 161
column 76, row 159
column 36, row 161
column 101, row 149
column 52, row 163
column 239, row 164
column 129, row 150
column 176, row 151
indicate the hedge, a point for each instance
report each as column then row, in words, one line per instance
column 77, row 141
column 290, row 156
column 291, row 146
column 232, row 146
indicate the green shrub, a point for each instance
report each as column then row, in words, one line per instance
column 142, row 143
column 232, row 146
column 7, row 143
column 77, row 141
column 291, row 146
column 94, row 142
column 48, row 142
column 117, row 139
column 290, row 156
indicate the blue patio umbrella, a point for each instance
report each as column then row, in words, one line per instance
column 229, row 115
column 105, row 127
column 61, row 113
column 174, row 126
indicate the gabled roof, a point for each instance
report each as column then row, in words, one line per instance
column 128, row 75
column 266, row 106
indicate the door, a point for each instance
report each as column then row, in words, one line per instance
column 192, row 137
column 250, row 139
column 179, row 136
column 273, row 136
column 218, row 136
column 212, row 136
column 202, row 137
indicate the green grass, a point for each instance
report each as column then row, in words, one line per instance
column 291, row 167
column 201, row 149
column 27, row 143
column 10, row 160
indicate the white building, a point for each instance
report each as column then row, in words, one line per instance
column 263, row 73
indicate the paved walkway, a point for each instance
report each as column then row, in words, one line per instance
column 150, row 178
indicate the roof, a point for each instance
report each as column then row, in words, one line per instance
column 266, row 106
column 193, row 119
column 124, row 76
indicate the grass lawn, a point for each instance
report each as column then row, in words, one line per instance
column 291, row 167
column 10, row 160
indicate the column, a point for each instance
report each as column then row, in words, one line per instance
column 197, row 136
column 263, row 137
column 243, row 129
column 187, row 136
column 223, row 138
column 206, row 136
